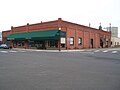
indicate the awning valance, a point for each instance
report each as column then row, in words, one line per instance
column 38, row 35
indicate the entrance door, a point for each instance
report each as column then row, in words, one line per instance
column 106, row 44
column 101, row 43
column 92, row 43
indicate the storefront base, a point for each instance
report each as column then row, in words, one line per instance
column 38, row 44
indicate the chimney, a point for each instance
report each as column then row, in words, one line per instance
column 59, row 18
column 28, row 24
column 11, row 29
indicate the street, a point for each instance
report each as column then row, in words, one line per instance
column 82, row 70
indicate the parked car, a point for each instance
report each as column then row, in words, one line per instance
column 4, row 46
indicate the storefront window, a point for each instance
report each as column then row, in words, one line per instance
column 31, row 44
column 43, row 44
column 79, row 41
column 52, row 43
column 20, row 43
column 63, row 40
column 71, row 41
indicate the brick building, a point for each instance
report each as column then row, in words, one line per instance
column 58, row 34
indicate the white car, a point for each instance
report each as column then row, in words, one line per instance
column 4, row 46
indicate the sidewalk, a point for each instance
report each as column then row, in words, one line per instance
column 77, row 50
column 39, row 50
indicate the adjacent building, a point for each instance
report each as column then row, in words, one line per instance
column 114, row 31
column 57, row 34
column 115, row 40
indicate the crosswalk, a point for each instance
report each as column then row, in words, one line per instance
column 104, row 51
column 97, row 51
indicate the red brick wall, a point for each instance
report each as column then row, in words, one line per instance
column 53, row 25
column 87, row 33
column 5, row 34
column 44, row 26
column 19, row 29
column 79, row 34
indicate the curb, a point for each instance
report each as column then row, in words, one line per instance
column 48, row 50
column 81, row 50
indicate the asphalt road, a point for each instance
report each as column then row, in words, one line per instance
column 88, row 70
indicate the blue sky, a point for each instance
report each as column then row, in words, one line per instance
column 21, row 12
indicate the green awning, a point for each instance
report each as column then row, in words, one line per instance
column 38, row 35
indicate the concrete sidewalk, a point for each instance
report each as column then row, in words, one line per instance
column 39, row 50
column 77, row 50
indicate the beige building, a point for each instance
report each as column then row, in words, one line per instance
column 115, row 42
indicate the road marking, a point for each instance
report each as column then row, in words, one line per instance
column 87, row 52
column 96, row 50
column 105, row 51
column 12, row 51
column 22, row 51
column 114, row 51
column 4, row 51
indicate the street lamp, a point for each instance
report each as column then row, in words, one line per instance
column 59, row 39
column 110, row 26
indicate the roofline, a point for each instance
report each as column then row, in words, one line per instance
column 6, row 31
column 59, row 19
column 83, row 26
column 35, row 23
column 79, row 24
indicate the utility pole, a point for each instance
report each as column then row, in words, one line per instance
column 59, row 39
